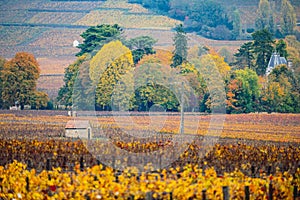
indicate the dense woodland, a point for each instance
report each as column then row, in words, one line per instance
column 222, row 21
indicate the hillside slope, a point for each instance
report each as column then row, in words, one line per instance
column 48, row 28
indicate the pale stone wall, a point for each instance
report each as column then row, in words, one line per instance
column 78, row 133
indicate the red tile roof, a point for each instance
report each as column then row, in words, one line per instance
column 81, row 124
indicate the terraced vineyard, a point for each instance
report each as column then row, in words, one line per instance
column 128, row 20
column 56, row 17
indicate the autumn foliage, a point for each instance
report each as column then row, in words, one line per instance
column 19, row 76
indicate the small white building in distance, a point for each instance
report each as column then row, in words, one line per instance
column 75, row 43
column 78, row 129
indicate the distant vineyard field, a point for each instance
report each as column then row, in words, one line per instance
column 13, row 16
column 127, row 20
column 132, row 8
column 56, row 17
column 63, row 5
column 58, row 38
column 13, row 36
column 50, row 85
column 54, row 65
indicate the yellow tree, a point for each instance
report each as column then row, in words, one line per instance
column 282, row 92
column 39, row 100
column 111, row 73
column 213, row 70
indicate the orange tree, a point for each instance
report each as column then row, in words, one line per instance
column 2, row 62
column 19, row 77
column 242, row 91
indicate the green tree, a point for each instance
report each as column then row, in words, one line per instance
column 162, row 5
column 282, row 91
column 96, row 36
column 265, row 19
column 181, row 48
column 207, row 13
column 263, row 48
column 39, row 100
column 236, row 23
column 243, row 91
column 152, row 89
column 140, row 46
column 293, row 48
column 107, row 69
column 245, row 56
column 66, row 91
column 288, row 18
column 2, row 63
column 151, row 80
column 19, row 77
column 213, row 71
column 226, row 54
column 281, row 48
column 83, row 92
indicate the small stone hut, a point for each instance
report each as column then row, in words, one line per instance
column 78, row 129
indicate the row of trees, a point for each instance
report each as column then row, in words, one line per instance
column 114, row 73
column 256, row 54
column 110, row 78
column 107, row 54
column 266, row 15
column 215, row 20
column 18, row 79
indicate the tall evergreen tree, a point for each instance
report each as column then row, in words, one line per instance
column 288, row 18
column 236, row 23
column 263, row 48
column 245, row 56
column 181, row 47
column 140, row 46
column 281, row 48
column 96, row 36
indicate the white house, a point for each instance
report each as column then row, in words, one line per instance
column 78, row 129
column 75, row 43
column 276, row 60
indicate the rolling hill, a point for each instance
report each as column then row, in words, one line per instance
column 48, row 28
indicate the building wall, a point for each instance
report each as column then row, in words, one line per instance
column 78, row 133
